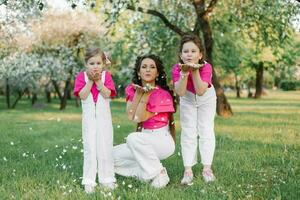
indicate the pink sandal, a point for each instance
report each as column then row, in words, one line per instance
column 208, row 175
column 187, row 178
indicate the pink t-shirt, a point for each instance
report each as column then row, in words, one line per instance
column 160, row 102
column 80, row 83
column 205, row 75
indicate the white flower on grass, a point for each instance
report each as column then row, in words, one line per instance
column 74, row 180
column 33, row 156
column 74, row 147
column 70, row 190
column 81, row 150
column 58, row 120
column 30, row 128
column 109, row 194
column 11, row 143
column 123, row 183
column 178, row 154
column 24, row 155
column 118, row 126
column 60, row 157
column 64, row 167
column 64, row 151
column 130, row 186
column 46, row 150
column 4, row 158
column 56, row 146
column 57, row 182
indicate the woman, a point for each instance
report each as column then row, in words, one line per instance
column 150, row 104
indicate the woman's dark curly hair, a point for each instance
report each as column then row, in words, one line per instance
column 161, row 81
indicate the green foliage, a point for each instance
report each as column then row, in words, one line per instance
column 287, row 85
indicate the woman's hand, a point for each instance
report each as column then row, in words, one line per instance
column 147, row 88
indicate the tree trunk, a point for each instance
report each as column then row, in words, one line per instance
column 63, row 102
column 48, row 96
column 237, row 87
column 223, row 107
column 7, row 94
column 34, row 99
column 56, row 88
column 259, row 80
column 17, row 99
column 69, row 96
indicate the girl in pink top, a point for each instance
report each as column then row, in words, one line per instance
column 192, row 79
column 150, row 104
column 95, row 87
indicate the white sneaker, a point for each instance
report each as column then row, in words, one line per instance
column 108, row 186
column 208, row 176
column 161, row 180
column 187, row 178
column 89, row 189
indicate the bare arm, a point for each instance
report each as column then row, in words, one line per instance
column 85, row 91
column 104, row 91
column 180, row 85
column 136, row 110
column 132, row 105
column 200, row 86
column 141, row 113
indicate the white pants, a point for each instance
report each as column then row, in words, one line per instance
column 97, row 133
column 197, row 115
column 141, row 154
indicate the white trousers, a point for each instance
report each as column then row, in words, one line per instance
column 197, row 115
column 97, row 133
column 141, row 154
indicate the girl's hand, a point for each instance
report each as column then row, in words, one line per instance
column 184, row 67
column 94, row 74
column 97, row 74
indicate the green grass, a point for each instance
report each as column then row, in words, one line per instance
column 257, row 153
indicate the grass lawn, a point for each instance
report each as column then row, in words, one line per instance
column 257, row 153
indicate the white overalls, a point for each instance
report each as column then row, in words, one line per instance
column 97, row 133
column 197, row 115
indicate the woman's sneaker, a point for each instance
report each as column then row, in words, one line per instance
column 161, row 180
column 208, row 175
column 89, row 189
column 187, row 178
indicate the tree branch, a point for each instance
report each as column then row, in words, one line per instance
column 173, row 27
column 211, row 6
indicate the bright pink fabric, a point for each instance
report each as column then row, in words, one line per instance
column 80, row 83
column 160, row 102
column 205, row 75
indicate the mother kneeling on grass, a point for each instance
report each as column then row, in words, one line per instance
column 150, row 104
